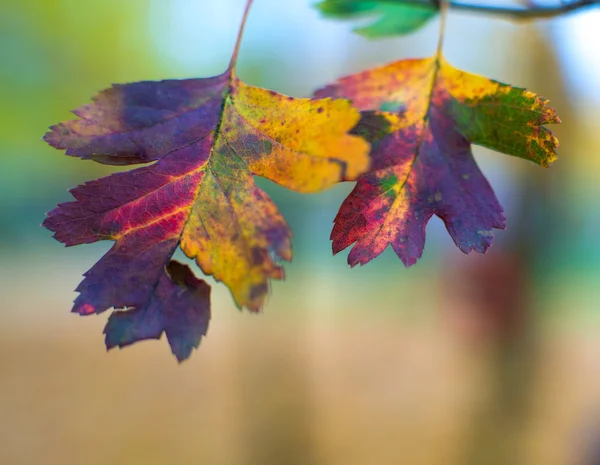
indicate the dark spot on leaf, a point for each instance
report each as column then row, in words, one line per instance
column 267, row 147
column 258, row 290
column 258, row 255
column 372, row 126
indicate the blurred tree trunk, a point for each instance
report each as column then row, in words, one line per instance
column 496, row 293
column 276, row 399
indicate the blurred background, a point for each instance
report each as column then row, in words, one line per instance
column 460, row 360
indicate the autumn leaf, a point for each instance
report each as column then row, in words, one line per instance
column 393, row 17
column 207, row 138
column 422, row 116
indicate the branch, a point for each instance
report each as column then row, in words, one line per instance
column 528, row 13
column 514, row 13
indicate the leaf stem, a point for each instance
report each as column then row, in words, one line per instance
column 511, row 13
column 236, row 49
column 443, row 6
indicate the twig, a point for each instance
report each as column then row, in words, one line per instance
column 514, row 13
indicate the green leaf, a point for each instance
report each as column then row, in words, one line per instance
column 393, row 17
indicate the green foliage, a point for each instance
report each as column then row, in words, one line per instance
column 392, row 17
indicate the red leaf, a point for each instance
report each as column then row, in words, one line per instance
column 424, row 115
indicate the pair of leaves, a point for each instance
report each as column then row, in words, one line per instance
column 207, row 138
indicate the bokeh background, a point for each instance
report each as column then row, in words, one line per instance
column 460, row 360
